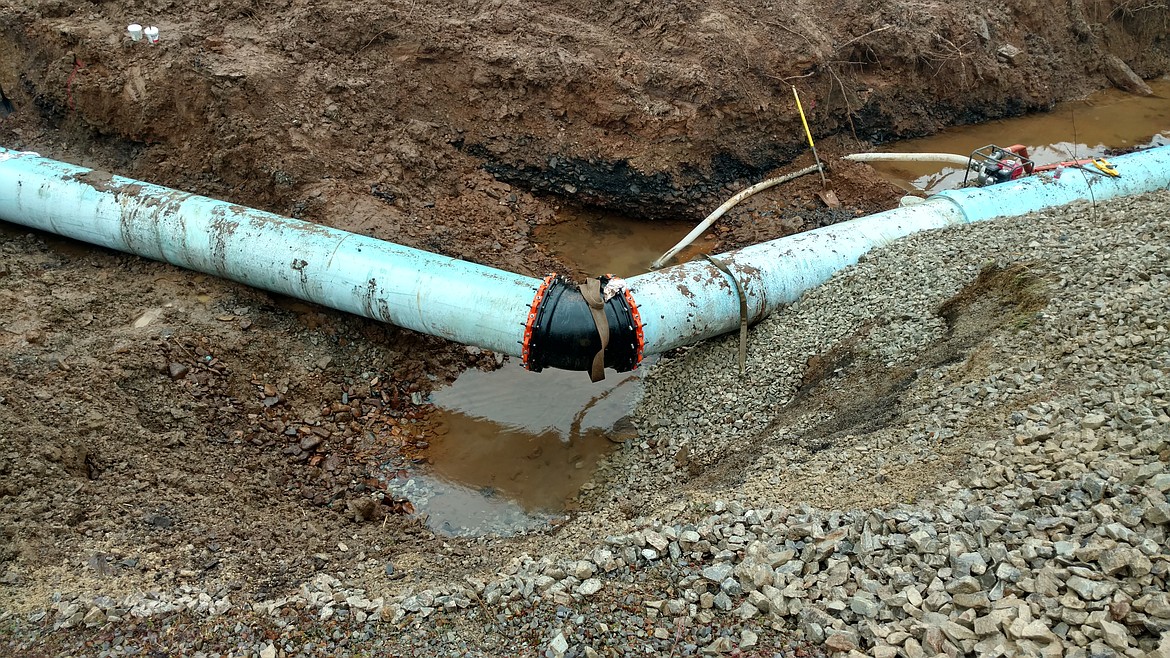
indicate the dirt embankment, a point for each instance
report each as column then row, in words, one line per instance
column 160, row 427
column 417, row 122
column 454, row 127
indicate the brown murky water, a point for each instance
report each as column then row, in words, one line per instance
column 515, row 447
column 1110, row 119
column 552, row 429
column 595, row 242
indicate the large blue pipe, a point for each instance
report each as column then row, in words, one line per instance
column 694, row 301
column 491, row 308
column 437, row 295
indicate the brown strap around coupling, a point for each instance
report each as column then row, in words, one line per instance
column 591, row 291
column 743, row 310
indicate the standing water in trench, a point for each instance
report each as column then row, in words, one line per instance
column 596, row 242
column 513, row 447
column 1107, row 120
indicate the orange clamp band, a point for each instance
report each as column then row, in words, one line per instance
column 531, row 321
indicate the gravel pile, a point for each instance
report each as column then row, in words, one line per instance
column 980, row 468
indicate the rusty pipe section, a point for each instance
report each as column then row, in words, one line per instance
column 546, row 323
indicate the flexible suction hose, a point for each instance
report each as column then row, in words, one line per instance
column 948, row 158
column 727, row 205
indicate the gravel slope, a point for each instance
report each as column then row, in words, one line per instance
column 958, row 447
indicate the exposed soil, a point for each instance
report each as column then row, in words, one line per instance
column 438, row 126
column 160, row 427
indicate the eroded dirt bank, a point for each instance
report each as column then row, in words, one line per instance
column 415, row 121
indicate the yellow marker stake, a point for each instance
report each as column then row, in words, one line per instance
column 809, row 134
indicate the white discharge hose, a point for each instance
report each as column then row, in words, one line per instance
column 949, row 158
column 727, row 205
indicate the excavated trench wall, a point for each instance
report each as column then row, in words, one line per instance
column 649, row 110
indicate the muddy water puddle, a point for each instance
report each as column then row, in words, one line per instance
column 1110, row 119
column 597, row 242
column 513, row 448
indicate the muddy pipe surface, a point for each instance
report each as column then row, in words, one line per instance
column 487, row 307
column 426, row 292
column 694, row 301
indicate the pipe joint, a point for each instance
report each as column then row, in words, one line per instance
column 561, row 332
